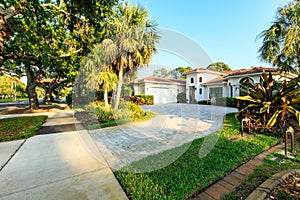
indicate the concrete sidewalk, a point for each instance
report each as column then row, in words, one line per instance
column 56, row 166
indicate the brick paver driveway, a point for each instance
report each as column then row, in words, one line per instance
column 173, row 125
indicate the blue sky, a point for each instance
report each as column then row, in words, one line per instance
column 226, row 30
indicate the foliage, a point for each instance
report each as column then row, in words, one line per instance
column 45, row 40
column 178, row 72
column 132, row 42
column 20, row 127
column 142, row 99
column 12, row 100
column 126, row 91
column 10, row 84
column 175, row 73
column 127, row 112
column 266, row 104
column 265, row 171
column 181, row 97
column 226, row 101
column 189, row 174
column 69, row 98
column 163, row 72
column 281, row 42
column 219, row 67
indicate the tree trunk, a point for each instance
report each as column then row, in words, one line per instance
column 117, row 95
column 48, row 93
column 106, row 98
column 33, row 100
column 30, row 89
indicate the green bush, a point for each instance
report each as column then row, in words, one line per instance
column 143, row 99
column 227, row 101
column 181, row 97
column 127, row 111
column 204, row 102
column 224, row 101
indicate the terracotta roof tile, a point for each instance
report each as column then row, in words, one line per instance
column 250, row 71
column 241, row 72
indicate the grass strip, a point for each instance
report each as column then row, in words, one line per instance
column 265, row 171
column 190, row 174
column 20, row 127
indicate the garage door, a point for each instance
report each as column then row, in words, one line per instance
column 164, row 95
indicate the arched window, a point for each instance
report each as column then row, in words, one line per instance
column 200, row 91
column 192, row 80
column 245, row 84
column 200, row 79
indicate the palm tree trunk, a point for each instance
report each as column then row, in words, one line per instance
column 106, row 98
column 119, row 88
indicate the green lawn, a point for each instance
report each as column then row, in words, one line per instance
column 12, row 100
column 265, row 171
column 190, row 174
column 20, row 127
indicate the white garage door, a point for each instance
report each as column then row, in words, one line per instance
column 164, row 95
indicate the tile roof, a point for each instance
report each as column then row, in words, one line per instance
column 253, row 70
column 161, row 79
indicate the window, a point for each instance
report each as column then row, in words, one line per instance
column 200, row 79
column 200, row 91
column 215, row 92
column 192, row 80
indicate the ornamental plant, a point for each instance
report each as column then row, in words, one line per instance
column 272, row 107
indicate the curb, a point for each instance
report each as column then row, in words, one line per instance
column 235, row 178
column 265, row 188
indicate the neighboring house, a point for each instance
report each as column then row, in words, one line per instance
column 203, row 84
column 164, row 90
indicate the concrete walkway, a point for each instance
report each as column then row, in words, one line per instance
column 55, row 166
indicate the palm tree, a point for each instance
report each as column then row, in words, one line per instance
column 133, row 42
column 281, row 42
column 108, row 82
column 99, row 73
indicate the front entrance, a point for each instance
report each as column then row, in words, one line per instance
column 192, row 94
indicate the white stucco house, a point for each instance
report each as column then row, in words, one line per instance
column 164, row 90
column 204, row 84
column 201, row 84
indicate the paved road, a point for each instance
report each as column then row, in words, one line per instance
column 174, row 125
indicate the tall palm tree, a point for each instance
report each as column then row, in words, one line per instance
column 99, row 73
column 281, row 42
column 132, row 44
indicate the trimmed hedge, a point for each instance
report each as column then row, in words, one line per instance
column 181, row 97
column 142, row 99
column 224, row 101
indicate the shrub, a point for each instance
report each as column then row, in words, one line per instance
column 142, row 99
column 127, row 111
column 271, row 106
column 204, row 102
column 181, row 97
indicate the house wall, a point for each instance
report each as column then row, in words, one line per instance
column 198, row 85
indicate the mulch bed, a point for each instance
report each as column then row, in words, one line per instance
column 289, row 189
